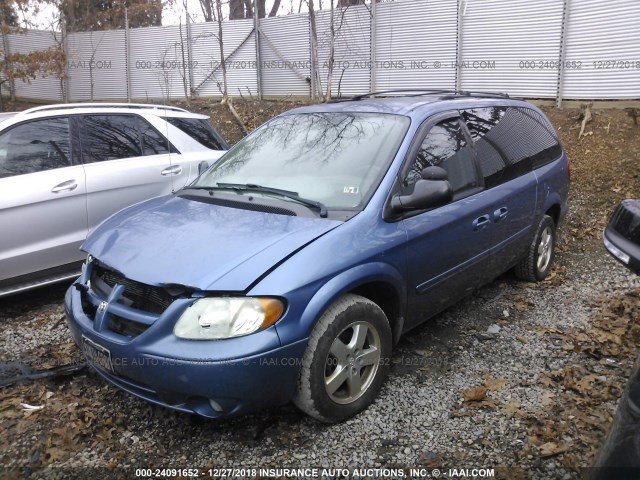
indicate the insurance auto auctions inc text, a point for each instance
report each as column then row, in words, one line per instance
column 345, row 473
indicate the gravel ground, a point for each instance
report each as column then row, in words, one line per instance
column 519, row 377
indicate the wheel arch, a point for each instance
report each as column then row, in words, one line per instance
column 554, row 212
column 379, row 282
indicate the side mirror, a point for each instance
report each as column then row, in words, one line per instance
column 202, row 167
column 426, row 194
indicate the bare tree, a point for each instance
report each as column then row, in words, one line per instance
column 239, row 9
column 316, row 83
column 223, row 64
column 336, row 23
column 207, row 9
column 349, row 3
column 94, row 50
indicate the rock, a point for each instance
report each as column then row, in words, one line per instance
column 493, row 329
column 483, row 337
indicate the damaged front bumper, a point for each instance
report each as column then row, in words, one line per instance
column 213, row 378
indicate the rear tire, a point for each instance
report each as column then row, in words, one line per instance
column 535, row 266
column 346, row 361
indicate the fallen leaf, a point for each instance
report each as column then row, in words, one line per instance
column 546, row 398
column 53, row 454
column 496, row 384
column 550, row 448
column 511, row 408
column 475, row 394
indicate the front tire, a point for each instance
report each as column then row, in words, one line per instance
column 536, row 265
column 346, row 361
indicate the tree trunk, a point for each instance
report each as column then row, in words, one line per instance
column 223, row 63
column 332, row 53
column 207, row 10
column 274, row 9
column 236, row 9
column 316, row 84
column 183, row 72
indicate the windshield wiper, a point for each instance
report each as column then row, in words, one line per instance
column 243, row 187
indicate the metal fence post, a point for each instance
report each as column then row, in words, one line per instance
column 127, row 54
column 256, row 33
column 562, row 53
column 189, row 54
column 372, row 55
column 462, row 7
column 65, row 75
column 312, row 53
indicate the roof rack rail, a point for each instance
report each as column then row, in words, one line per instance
column 426, row 91
column 64, row 106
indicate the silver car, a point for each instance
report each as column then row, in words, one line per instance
column 65, row 168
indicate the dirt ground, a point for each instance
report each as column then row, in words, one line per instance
column 535, row 403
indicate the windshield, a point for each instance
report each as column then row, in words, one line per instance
column 333, row 158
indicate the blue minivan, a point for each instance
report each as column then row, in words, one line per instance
column 287, row 270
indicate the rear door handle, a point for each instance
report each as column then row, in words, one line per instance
column 499, row 214
column 69, row 185
column 480, row 222
column 172, row 170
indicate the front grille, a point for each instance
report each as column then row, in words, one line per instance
column 136, row 295
column 126, row 327
column 88, row 308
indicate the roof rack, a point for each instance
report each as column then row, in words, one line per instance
column 425, row 91
column 65, row 106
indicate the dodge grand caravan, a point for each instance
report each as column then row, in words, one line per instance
column 288, row 269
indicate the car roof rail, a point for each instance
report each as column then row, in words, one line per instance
column 417, row 92
column 142, row 106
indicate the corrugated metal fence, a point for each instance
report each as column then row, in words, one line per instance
column 572, row 49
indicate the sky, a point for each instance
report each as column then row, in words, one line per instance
column 175, row 14
column 172, row 16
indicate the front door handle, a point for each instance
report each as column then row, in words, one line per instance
column 172, row 170
column 69, row 185
column 499, row 214
column 480, row 222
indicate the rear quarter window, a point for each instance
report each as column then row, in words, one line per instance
column 200, row 130
column 510, row 141
column 544, row 143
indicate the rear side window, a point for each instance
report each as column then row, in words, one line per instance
column 510, row 141
column 112, row 137
column 35, row 146
column 480, row 122
column 446, row 146
column 200, row 130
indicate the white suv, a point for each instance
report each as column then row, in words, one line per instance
column 65, row 168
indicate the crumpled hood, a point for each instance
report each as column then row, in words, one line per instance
column 172, row 240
